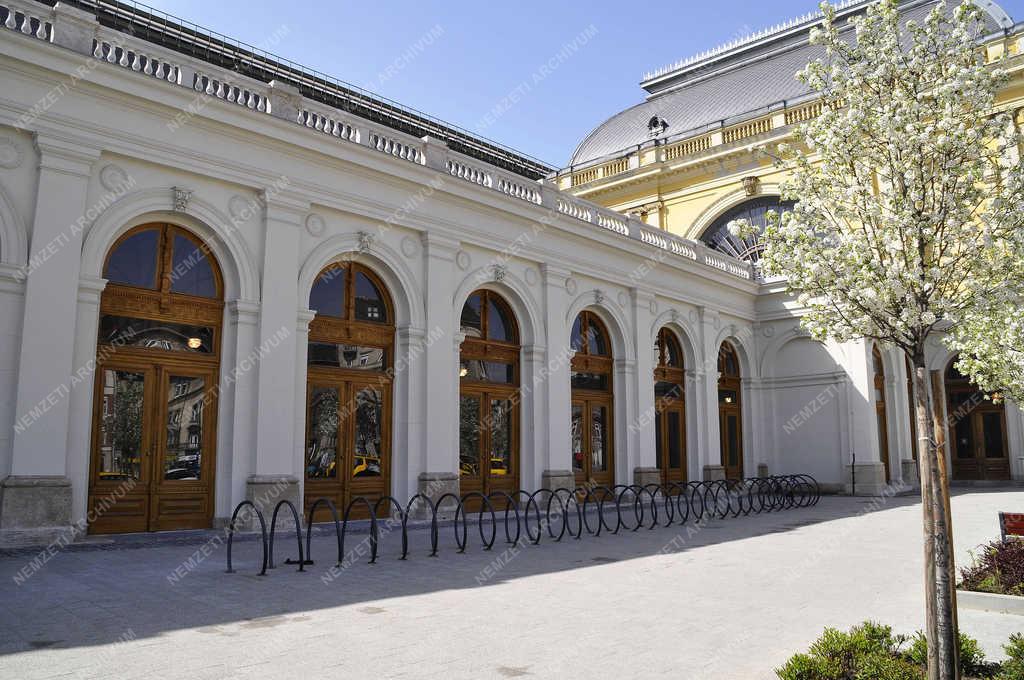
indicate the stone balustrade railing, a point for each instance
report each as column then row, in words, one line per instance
column 76, row 30
column 31, row 20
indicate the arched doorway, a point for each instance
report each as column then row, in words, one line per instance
column 977, row 430
column 348, row 387
column 911, row 406
column 670, row 408
column 592, row 400
column 488, row 399
column 730, row 422
column 155, row 406
column 880, row 416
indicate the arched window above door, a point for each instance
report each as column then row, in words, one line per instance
column 166, row 258
column 755, row 211
column 352, row 292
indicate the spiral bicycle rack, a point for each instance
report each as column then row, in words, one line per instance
column 557, row 512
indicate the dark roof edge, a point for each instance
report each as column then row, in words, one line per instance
column 190, row 39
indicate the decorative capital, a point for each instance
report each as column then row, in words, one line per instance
column 365, row 241
column 180, row 198
column 751, row 185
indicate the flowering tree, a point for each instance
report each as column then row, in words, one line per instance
column 991, row 345
column 910, row 208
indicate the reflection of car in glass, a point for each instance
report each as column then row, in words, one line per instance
column 498, row 466
column 182, row 473
column 366, row 466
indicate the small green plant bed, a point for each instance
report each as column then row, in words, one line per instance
column 870, row 651
column 999, row 568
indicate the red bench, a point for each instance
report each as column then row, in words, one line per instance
column 1011, row 525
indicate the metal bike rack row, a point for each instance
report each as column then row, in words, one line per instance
column 557, row 512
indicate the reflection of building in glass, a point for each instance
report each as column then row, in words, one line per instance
column 183, row 452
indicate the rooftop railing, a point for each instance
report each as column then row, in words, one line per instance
column 32, row 21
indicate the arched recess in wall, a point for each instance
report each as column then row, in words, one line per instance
column 13, row 235
column 489, row 406
column 158, row 364
column 978, row 433
column 387, row 263
column 670, row 407
column 349, row 374
column 593, row 385
column 209, row 224
column 879, row 389
column 730, row 410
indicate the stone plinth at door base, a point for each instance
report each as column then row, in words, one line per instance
column 35, row 510
column 557, row 479
column 265, row 492
column 910, row 473
column 434, row 485
column 643, row 476
column 864, row 479
column 713, row 473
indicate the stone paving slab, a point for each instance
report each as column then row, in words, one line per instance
column 732, row 599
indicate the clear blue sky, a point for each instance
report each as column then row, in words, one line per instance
column 459, row 60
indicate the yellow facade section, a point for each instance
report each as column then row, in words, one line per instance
column 684, row 185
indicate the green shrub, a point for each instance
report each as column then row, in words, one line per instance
column 1013, row 667
column 870, row 651
column 972, row 658
column 867, row 652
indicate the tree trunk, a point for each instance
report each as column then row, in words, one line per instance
column 941, row 628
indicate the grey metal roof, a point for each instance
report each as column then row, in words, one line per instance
column 727, row 85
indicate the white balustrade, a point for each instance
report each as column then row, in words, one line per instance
column 229, row 92
column 396, row 148
column 113, row 53
column 328, row 125
column 29, row 24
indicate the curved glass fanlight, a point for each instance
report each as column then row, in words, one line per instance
column 718, row 237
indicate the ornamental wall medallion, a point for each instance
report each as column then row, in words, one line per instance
column 463, row 260
column 410, row 247
column 239, row 208
column 654, row 306
column 531, row 276
column 11, row 154
column 315, row 225
column 571, row 286
column 113, row 177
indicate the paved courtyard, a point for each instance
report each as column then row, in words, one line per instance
column 732, row 600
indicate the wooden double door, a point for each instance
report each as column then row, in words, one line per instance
column 731, row 431
column 347, row 453
column 670, row 432
column 978, row 441
column 591, row 429
column 153, row 444
column 488, row 440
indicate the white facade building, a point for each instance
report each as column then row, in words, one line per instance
column 118, row 150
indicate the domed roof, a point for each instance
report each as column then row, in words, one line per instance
column 729, row 82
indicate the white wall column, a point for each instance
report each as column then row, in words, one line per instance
column 642, row 426
column 440, row 366
column 36, row 497
column 868, row 472
column 553, row 382
column 236, row 423
column 709, row 444
column 278, row 462
column 80, row 418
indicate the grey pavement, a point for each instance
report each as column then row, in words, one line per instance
column 732, row 599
